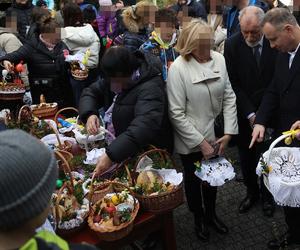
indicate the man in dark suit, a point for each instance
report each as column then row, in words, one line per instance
column 281, row 29
column 250, row 64
column 231, row 16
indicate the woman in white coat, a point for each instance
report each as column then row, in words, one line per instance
column 80, row 37
column 198, row 90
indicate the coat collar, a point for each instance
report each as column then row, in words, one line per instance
column 293, row 70
column 201, row 72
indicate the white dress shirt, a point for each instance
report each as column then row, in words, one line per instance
column 292, row 55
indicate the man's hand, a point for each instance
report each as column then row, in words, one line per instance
column 223, row 142
column 252, row 120
column 296, row 125
column 104, row 163
column 92, row 125
column 258, row 134
column 207, row 150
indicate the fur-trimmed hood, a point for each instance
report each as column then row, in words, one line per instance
column 132, row 25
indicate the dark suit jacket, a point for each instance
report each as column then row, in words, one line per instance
column 232, row 16
column 247, row 79
column 283, row 95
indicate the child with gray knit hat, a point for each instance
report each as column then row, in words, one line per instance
column 28, row 174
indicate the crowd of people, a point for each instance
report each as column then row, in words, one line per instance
column 191, row 77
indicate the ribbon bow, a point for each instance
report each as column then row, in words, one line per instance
column 291, row 135
column 157, row 38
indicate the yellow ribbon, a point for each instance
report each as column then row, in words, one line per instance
column 157, row 38
column 86, row 57
column 292, row 133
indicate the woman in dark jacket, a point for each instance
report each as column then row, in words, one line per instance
column 45, row 60
column 22, row 10
column 136, row 20
column 139, row 114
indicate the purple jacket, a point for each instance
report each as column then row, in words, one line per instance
column 107, row 24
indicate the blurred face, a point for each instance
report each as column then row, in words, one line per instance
column 21, row 1
column 204, row 45
column 182, row 2
column 166, row 30
column 251, row 31
column 53, row 38
column 148, row 14
column 117, row 84
column 280, row 39
column 216, row 6
column 183, row 17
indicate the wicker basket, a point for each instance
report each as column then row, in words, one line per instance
column 66, row 145
column 64, row 165
column 12, row 92
column 63, row 110
column 97, row 192
column 78, row 73
column 48, row 110
column 128, row 173
column 116, row 232
column 69, row 232
column 285, row 191
column 165, row 201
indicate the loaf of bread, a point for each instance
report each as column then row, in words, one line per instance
column 148, row 178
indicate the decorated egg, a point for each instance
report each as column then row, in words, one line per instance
column 19, row 67
column 59, row 183
column 4, row 73
column 288, row 141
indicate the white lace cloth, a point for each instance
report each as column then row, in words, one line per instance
column 216, row 171
column 283, row 180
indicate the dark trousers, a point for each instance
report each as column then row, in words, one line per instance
column 201, row 197
column 79, row 85
column 249, row 159
column 292, row 219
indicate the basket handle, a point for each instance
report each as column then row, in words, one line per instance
column 286, row 134
column 57, row 135
column 67, row 168
column 59, row 194
column 104, row 184
column 21, row 110
column 63, row 109
column 125, row 164
column 162, row 151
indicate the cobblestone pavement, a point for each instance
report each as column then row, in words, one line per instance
column 247, row 231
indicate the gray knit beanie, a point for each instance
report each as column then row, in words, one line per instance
column 28, row 174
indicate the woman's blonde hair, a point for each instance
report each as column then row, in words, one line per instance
column 191, row 34
column 133, row 16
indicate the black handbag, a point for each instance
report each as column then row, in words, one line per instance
column 219, row 119
column 219, row 126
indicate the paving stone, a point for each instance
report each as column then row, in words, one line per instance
column 250, row 231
